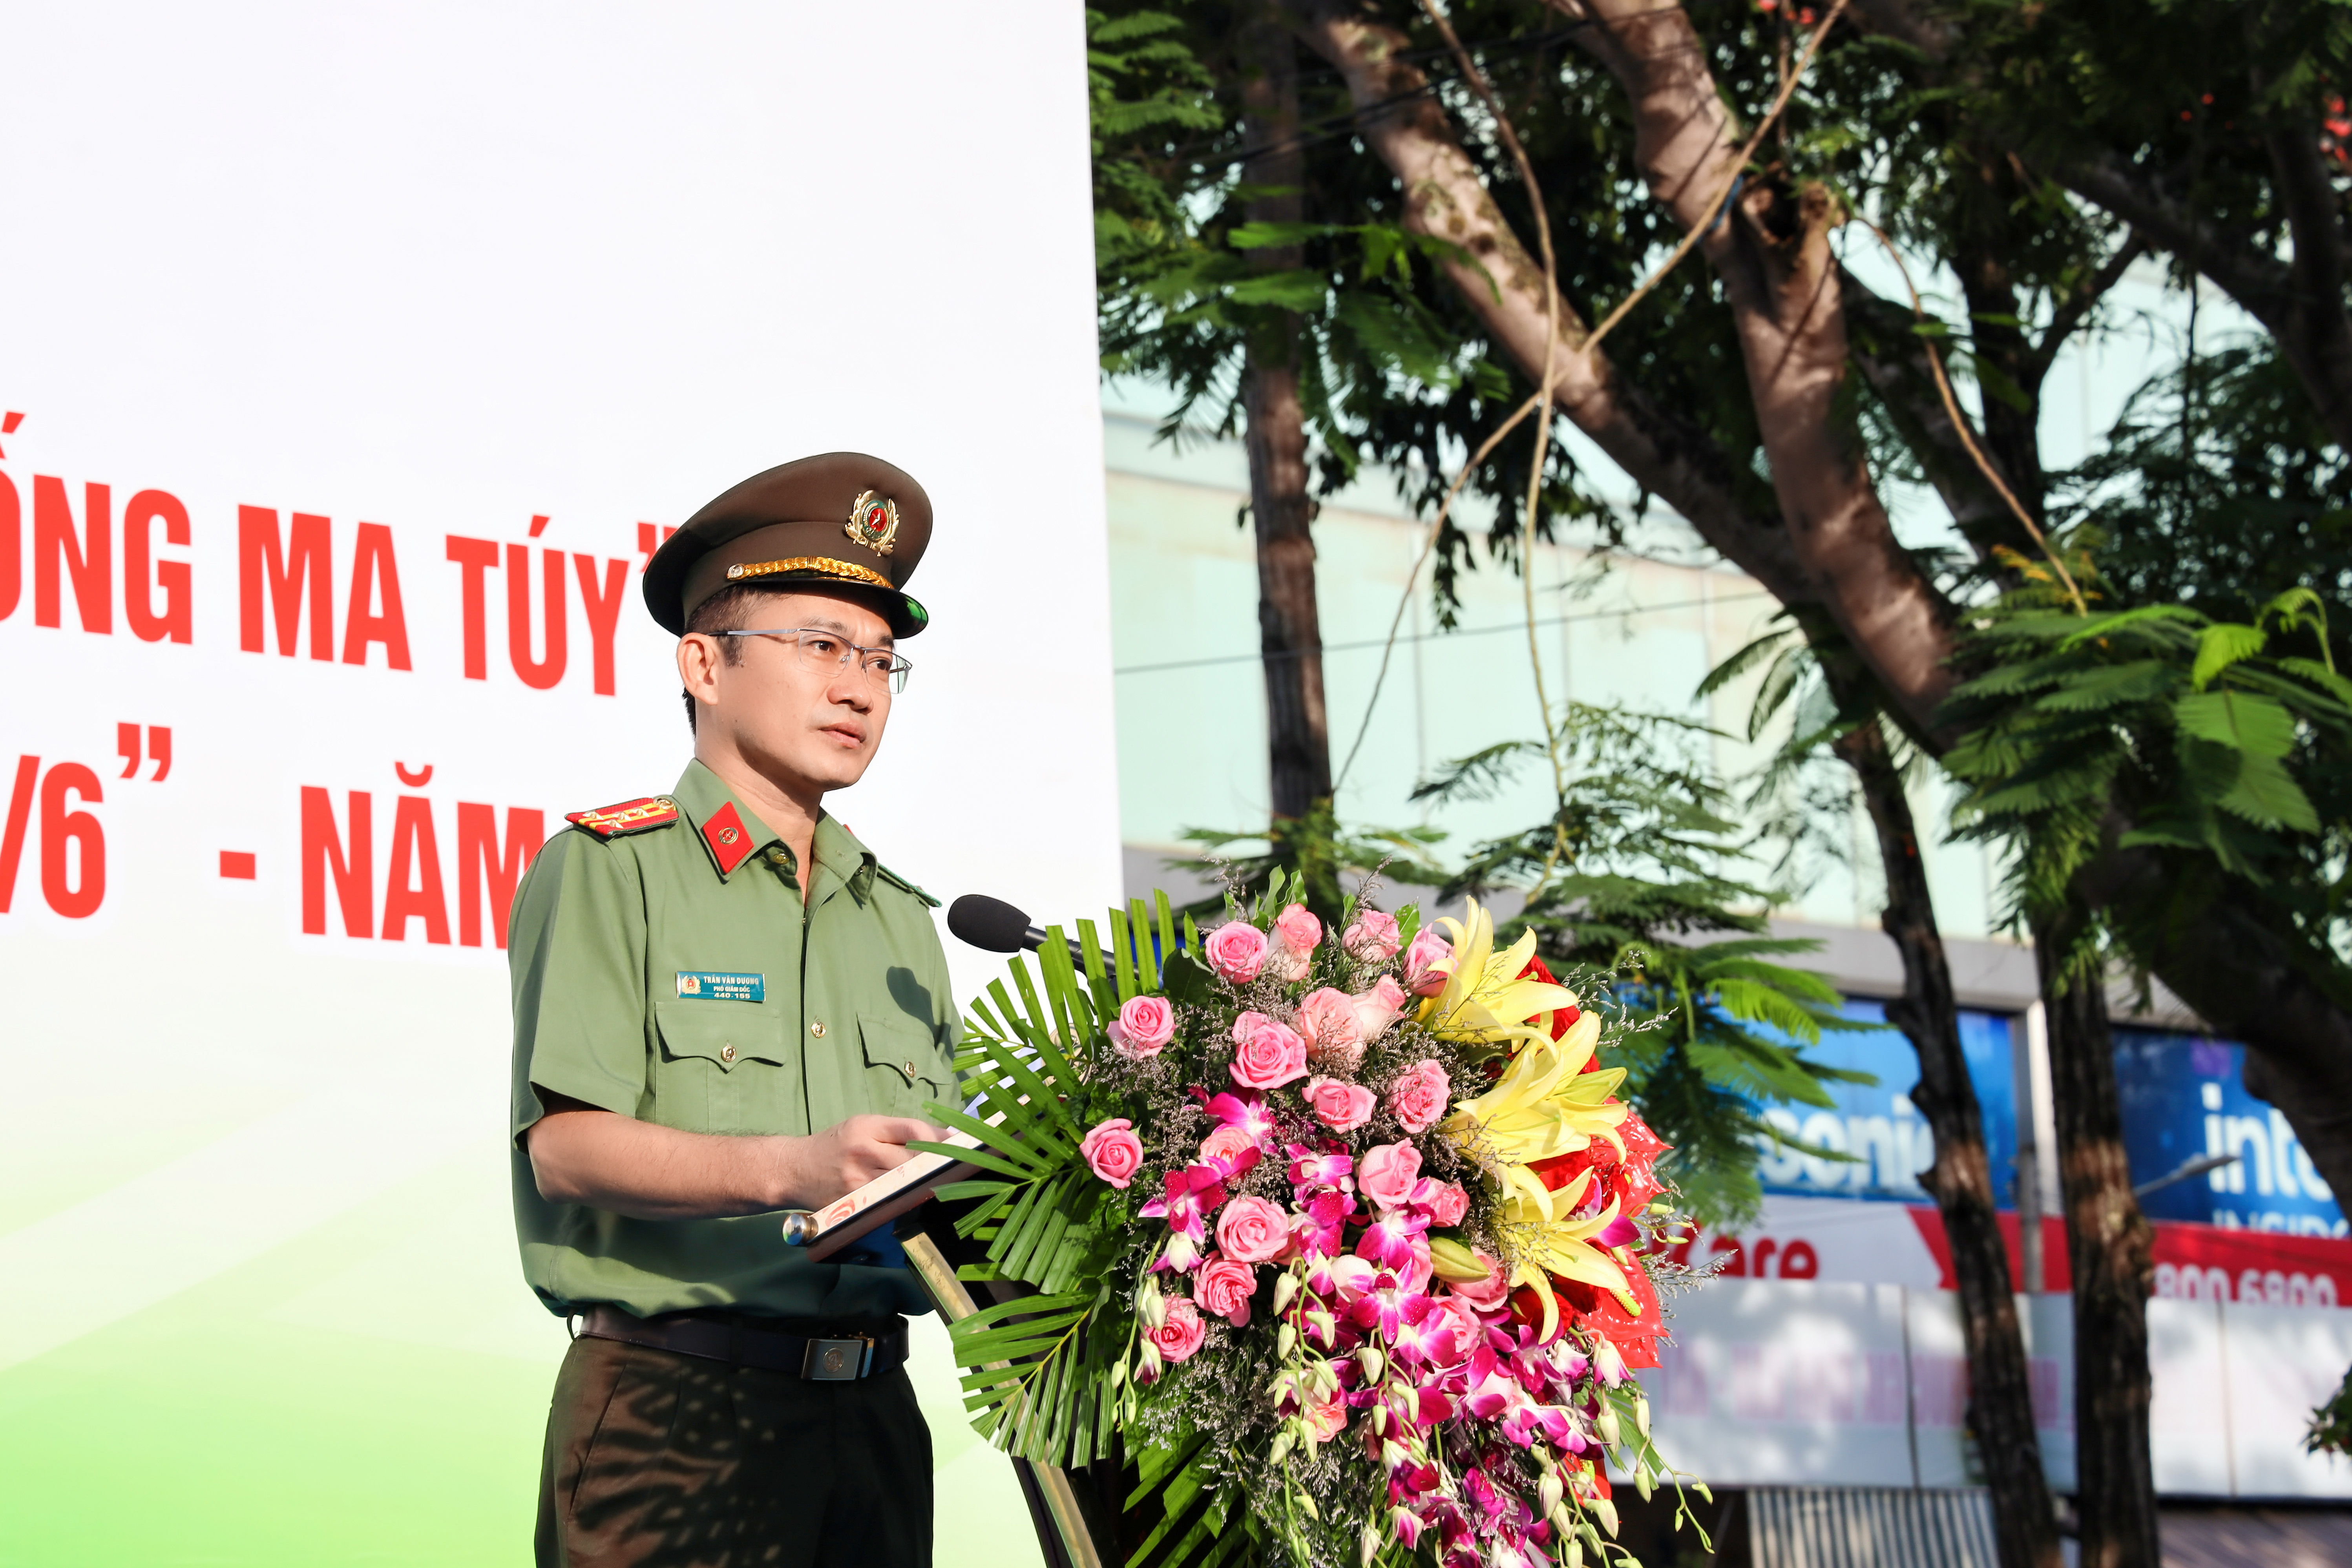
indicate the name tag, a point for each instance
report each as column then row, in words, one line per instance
column 716, row 986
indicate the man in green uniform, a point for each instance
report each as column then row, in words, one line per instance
column 724, row 1007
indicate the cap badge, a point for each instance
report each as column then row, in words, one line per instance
column 873, row 522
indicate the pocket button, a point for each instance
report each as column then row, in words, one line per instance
column 726, row 1053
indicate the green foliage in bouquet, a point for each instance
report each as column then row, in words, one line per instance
column 1636, row 887
column 1051, row 1367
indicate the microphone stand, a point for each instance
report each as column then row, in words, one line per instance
column 1064, row 1536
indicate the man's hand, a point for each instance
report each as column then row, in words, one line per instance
column 847, row 1156
column 580, row 1155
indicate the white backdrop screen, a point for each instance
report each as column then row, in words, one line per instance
column 352, row 358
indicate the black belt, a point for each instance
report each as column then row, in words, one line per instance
column 839, row 1358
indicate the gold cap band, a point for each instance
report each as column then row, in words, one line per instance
column 826, row 564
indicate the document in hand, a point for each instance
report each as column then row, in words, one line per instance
column 885, row 1198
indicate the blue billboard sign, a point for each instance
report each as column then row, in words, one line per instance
column 1879, row 1126
column 2184, row 1098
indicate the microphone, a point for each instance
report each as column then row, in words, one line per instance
column 992, row 925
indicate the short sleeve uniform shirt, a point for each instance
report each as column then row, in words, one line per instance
column 651, row 979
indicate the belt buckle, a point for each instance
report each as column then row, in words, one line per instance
column 838, row 1361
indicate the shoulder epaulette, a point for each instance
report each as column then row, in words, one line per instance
column 896, row 881
column 641, row 815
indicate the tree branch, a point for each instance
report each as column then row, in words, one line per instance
column 2247, row 982
column 2312, row 329
column 2322, row 352
column 1893, row 360
column 2071, row 313
column 2302, row 302
column 1930, row 36
column 2254, row 280
column 1444, row 198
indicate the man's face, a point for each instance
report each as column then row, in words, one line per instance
column 795, row 719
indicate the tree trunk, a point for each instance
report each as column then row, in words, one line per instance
column 1772, row 252
column 1290, row 637
column 2000, row 1396
column 2107, row 1244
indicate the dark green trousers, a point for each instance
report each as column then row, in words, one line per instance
column 660, row 1461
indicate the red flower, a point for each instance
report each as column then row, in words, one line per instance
column 1635, row 1334
column 1631, row 1180
column 1563, row 1020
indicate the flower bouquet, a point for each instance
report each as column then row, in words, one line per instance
column 1337, row 1240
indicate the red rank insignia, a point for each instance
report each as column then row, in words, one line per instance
column 639, row 815
column 727, row 837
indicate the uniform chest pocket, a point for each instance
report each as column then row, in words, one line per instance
column 903, row 1067
column 724, row 1033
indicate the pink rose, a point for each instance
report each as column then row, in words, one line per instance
column 1327, row 1421
column 1266, row 1054
column 1342, row 1106
column 1253, row 1230
column 1377, row 1008
column 1446, row 1201
column 1387, row 1173
column 1113, row 1152
column 1328, row 1019
column 1179, row 1332
column 1236, row 951
column 1371, row 938
column 1144, row 1025
column 1297, row 928
column 1488, row 1294
column 1225, row 1287
column 1422, row 976
column 1292, row 953
column 1296, row 932
column 1226, row 1143
column 1419, row 1096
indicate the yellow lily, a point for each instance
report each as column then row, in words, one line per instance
column 1541, row 1236
column 1544, row 1104
column 1484, row 999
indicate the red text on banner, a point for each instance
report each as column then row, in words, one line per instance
column 73, row 844
column 338, row 860
column 290, row 573
column 538, row 608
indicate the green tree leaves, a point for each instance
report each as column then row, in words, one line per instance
column 2211, row 742
column 1637, row 887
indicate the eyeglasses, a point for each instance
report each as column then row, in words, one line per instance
column 829, row 653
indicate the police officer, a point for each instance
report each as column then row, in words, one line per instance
column 724, row 1006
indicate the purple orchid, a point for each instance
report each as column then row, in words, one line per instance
column 1246, row 1111
column 1389, row 1240
column 1312, row 1172
column 1381, row 1308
